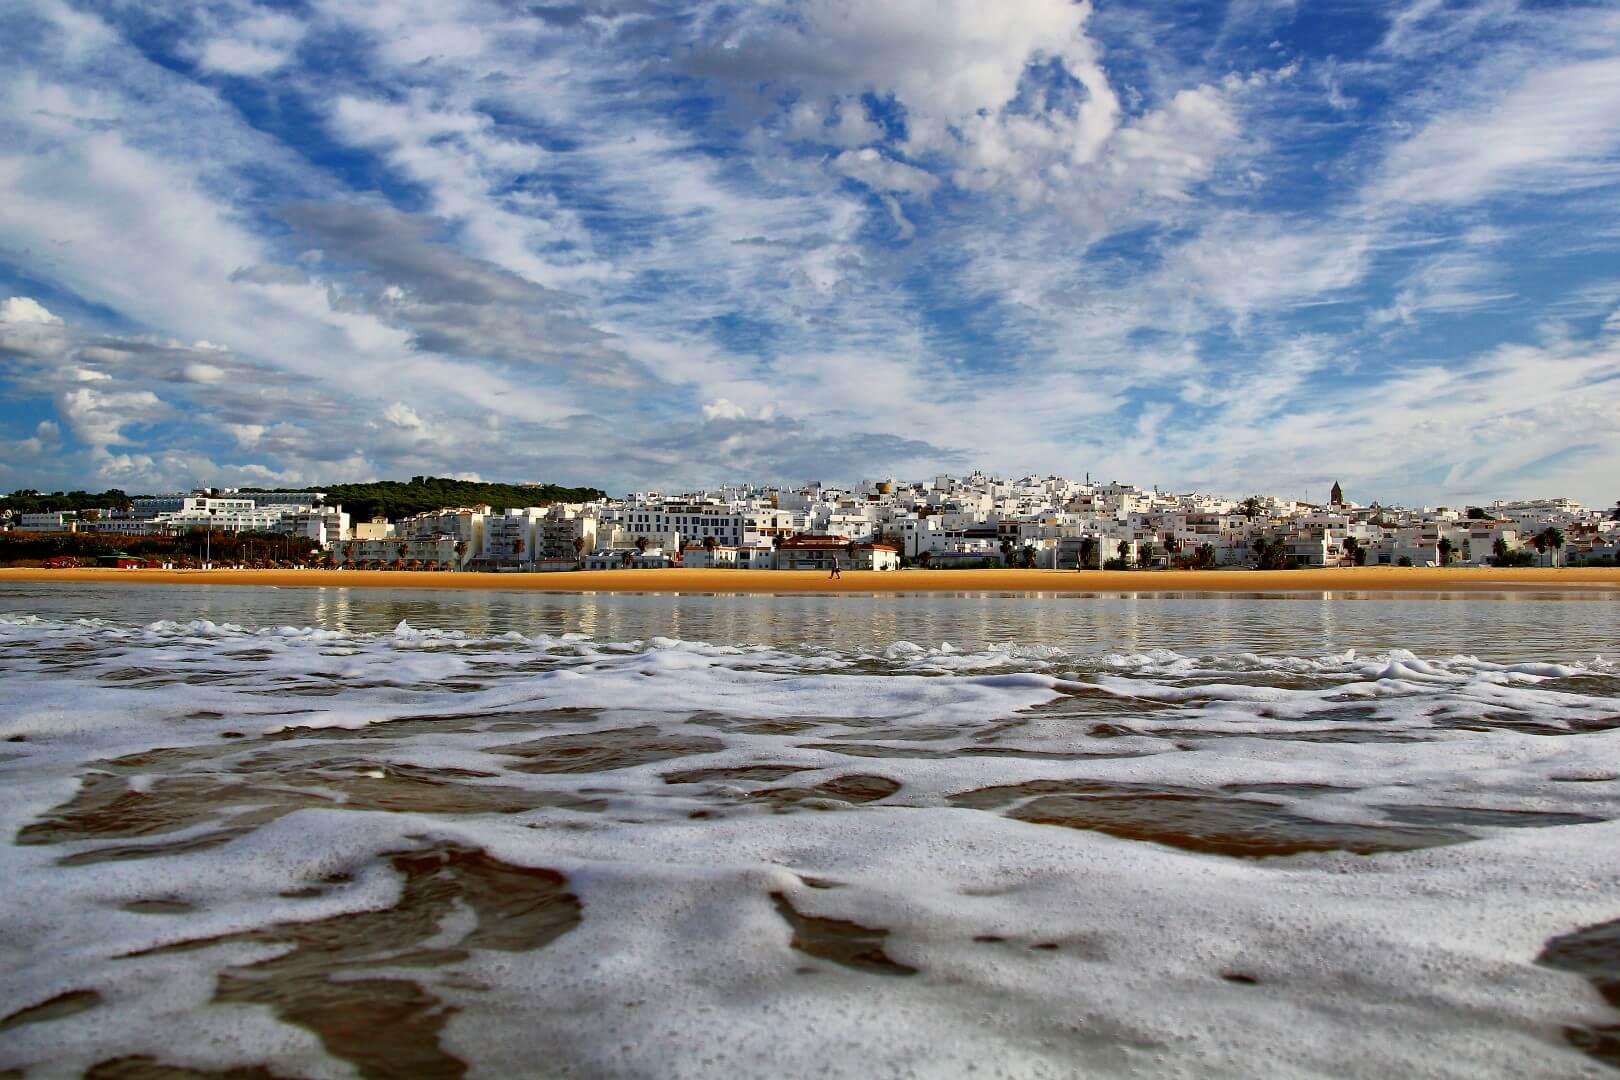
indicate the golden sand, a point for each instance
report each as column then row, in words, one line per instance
column 1358, row 579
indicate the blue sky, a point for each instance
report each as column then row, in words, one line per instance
column 1259, row 246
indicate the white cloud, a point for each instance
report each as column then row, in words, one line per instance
column 99, row 417
column 841, row 124
column 722, row 409
column 881, row 173
column 943, row 59
column 23, row 309
column 253, row 46
column 1555, row 129
column 402, row 416
column 204, row 373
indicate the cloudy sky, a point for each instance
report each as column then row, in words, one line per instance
column 655, row 243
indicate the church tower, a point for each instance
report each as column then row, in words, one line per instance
column 1336, row 497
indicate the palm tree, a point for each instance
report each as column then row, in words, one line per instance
column 1122, row 550
column 1027, row 556
column 461, row 552
column 579, row 548
column 1144, row 556
column 1555, row 538
column 1251, row 507
column 710, row 544
column 924, row 558
column 1500, row 550
column 642, row 544
column 402, row 550
column 1352, row 548
column 1445, row 547
column 1088, row 552
column 1206, row 556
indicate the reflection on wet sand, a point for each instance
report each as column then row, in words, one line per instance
column 348, row 978
column 1595, row 954
column 839, row 940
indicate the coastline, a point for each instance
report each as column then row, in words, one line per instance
column 1604, row 580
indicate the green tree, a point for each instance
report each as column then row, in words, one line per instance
column 1550, row 537
column 1445, row 548
column 394, row 499
column 1088, row 552
column 1270, row 554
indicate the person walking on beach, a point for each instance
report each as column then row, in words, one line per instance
column 836, row 572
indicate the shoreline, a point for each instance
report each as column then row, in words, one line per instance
column 1605, row 580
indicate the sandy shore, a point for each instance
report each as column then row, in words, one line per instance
column 1359, row 579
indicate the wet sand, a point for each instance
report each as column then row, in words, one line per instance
column 1358, row 579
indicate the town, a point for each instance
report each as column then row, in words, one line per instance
column 975, row 521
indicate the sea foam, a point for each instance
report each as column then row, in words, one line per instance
column 920, row 859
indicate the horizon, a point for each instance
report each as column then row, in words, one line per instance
column 256, row 245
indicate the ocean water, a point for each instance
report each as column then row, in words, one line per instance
column 335, row 833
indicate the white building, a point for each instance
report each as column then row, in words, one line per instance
column 510, row 540
column 56, row 521
column 400, row 553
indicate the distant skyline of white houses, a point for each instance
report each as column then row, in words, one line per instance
column 943, row 521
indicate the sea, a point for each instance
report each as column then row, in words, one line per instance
column 324, row 832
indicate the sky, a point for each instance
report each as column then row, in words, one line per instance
column 1258, row 246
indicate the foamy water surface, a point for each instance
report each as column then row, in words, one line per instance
column 329, row 833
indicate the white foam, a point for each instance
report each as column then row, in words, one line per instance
column 682, row 964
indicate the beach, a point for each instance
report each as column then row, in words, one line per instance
column 1356, row 579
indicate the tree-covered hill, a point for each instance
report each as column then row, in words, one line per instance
column 28, row 501
column 384, row 498
column 396, row 499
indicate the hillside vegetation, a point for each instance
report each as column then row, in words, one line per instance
column 396, row 499
column 28, row 501
column 383, row 498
